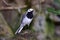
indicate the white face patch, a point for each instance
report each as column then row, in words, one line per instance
column 29, row 10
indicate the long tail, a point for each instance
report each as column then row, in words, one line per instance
column 20, row 28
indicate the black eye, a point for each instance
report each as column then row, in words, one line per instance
column 31, row 11
column 58, row 16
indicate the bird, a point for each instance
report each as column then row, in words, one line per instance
column 26, row 20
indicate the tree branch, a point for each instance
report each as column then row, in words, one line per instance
column 3, row 8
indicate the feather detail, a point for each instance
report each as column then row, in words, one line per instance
column 20, row 28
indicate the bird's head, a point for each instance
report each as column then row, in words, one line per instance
column 30, row 10
column 30, row 13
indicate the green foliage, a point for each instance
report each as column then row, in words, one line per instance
column 52, row 10
column 49, row 27
column 58, row 1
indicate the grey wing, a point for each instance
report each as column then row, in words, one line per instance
column 22, row 25
column 23, row 16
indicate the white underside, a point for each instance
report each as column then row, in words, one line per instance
column 26, row 20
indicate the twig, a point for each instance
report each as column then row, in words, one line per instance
column 5, row 2
column 3, row 8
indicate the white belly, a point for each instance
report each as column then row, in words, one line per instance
column 27, row 20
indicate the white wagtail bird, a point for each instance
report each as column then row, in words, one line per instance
column 26, row 20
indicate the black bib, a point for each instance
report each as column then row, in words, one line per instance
column 30, row 15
